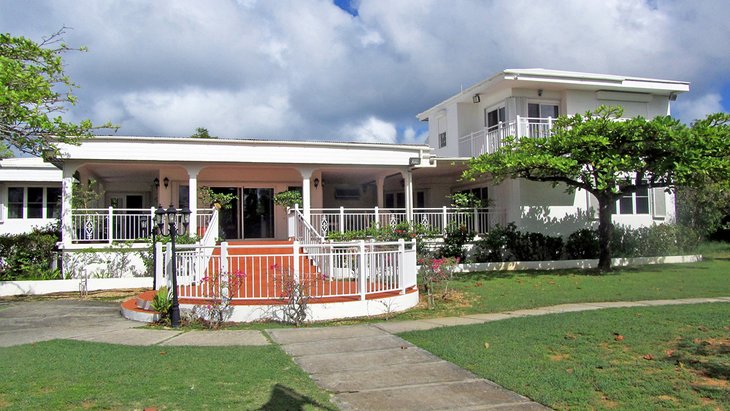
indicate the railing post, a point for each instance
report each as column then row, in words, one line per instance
column 342, row 219
column 168, row 265
column 362, row 279
column 223, row 275
column 296, row 263
column 444, row 220
column 377, row 217
column 476, row 224
column 159, row 264
column 110, row 225
column 401, row 265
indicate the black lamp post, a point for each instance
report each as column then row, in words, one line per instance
column 172, row 231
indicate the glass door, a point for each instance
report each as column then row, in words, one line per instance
column 258, row 212
column 228, row 216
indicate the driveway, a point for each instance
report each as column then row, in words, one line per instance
column 23, row 322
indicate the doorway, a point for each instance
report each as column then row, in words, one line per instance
column 250, row 215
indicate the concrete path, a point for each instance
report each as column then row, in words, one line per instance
column 370, row 369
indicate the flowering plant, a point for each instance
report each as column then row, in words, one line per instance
column 435, row 272
column 221, row 289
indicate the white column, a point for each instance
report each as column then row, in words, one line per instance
column 408, row 188
column 306, row 192
column 379, row 188
column 193, row 198
column 66, row 206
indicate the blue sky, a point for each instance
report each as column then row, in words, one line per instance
column 356, row 70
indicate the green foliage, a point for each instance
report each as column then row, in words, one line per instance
column 201, row 132
column 29, row 256
column 509, row 244
column 609, row 158
column 582, row 244
column 457, row 236
column 86, row 196
column 402, row 230
column 465, row 200
column 655, row 240
column 162, row 303
column 34, row 88
column 288, row 199
column 703, row 208
column 210, row 197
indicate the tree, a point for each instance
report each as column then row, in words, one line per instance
column 202, row 132
column 609, row 158
column 34, row 91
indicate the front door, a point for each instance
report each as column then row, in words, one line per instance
column 258, row 213
column 228, row 216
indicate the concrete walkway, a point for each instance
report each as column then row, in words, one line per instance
column 365, row 366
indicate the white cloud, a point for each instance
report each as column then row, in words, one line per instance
column 372, row 130
column 307, row 70
column 411, row 137
column 689, row 110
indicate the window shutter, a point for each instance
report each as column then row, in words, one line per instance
column 658, row 201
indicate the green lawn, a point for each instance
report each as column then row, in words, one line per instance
column 485, row 292
column 79, row 375
column 670, row 357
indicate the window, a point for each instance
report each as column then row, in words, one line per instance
column 53, row 202
column 634, row 203
column 480, row 193
column 442, row 140
column 494, row 117
column 395, row 200
column 34, row 202
column 16, row 200
column 183, row 196
column 538, row 110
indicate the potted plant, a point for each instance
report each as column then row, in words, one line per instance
column 217, row 200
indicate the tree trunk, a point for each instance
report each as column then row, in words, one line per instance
column 605, row 230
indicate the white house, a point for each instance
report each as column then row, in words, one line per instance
column 524, row 103
column 345, row 186
column 30, row 194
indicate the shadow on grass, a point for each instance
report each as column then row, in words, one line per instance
column 285, row 398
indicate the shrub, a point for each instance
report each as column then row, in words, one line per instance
column 508, row 244
column 454, row 241
column 29, row 256
column 582, row 244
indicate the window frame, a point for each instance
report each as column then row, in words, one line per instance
column 45, row 206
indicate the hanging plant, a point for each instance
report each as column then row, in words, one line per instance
column 217, row 200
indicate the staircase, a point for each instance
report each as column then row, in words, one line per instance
column 265, row 268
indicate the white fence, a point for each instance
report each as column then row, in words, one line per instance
column 351, row 270
column 479, row 220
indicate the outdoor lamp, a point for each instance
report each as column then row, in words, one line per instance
column 171, row 211
column 156, row 181
column 160, row 217
column 166, row 181
column 185, row 212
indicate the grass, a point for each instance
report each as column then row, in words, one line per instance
column 67, row 375
column 485, row 292
column 671, row 357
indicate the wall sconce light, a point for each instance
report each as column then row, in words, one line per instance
column 316, row 182
column 166, row 182
column 476, row 98
column 539, row 93
column 156, row 181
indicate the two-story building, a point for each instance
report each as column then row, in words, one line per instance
column 345, row 185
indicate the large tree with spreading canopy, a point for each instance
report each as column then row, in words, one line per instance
column 34, row 92
column 609, row 157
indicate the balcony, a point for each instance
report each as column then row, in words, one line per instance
column 490, row 139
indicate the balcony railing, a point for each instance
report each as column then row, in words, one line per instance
column 480, row 220
column 490, row 139
column 107, row 225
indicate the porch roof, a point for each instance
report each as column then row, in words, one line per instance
column 222, row 151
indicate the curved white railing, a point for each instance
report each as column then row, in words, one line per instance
column 266, row 272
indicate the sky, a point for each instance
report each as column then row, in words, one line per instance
column 356, row 70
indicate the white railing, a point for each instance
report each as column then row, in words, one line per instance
column 480, row 220
column 111, row 224
column 267, row 272
column 93, row 225
column 489, row 140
